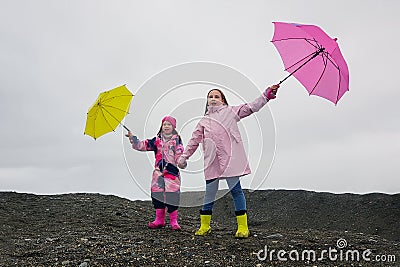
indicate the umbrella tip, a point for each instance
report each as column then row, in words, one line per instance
column 335, row 39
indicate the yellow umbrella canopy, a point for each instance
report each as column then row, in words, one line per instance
column 108, row 111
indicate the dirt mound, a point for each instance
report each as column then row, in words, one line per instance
column 376, row 213
column 105, row 230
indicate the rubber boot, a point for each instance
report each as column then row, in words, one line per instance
column 159, row 222
column 205, row 220
column 173, row 220
column 243, row 229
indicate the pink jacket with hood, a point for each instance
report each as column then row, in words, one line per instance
column 224, row 154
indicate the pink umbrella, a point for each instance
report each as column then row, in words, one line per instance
column 314, row 58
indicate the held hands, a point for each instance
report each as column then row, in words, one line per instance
column 182, row 163
column 270, row 92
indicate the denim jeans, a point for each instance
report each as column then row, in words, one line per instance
column 234, row 187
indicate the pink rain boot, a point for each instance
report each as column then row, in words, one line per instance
column 159, row 221
column 173, row 219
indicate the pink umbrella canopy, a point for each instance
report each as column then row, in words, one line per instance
column 314, row 58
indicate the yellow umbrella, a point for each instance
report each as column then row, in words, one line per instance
column 108, row 111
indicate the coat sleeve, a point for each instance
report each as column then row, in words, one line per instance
column 195, row 140
column 145, row 145
column 247, row 109
column 178, row 151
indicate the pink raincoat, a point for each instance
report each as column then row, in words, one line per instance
column 224, row 154
column 167, row 152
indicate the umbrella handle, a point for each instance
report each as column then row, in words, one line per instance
column 126, row 128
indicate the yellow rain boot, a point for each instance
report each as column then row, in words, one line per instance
column 243, row 229
column 205, row 220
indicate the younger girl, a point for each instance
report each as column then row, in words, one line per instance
column 165, row 184
column 224, row 154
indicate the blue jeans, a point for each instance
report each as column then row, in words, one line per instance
column 234, row 187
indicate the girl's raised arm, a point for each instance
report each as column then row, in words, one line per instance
column 247, row 109
column 141, row 145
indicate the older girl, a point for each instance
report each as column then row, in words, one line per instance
column 224, row 154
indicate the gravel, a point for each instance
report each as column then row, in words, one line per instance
column 88, row 230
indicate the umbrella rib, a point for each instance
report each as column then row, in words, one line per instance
column 111, row 98
column 109, row 106
column 338, row 91
column 322, row 74
column 340, row 75
column 304, row 58
column 295, row 39
column 94, row 124
column 333, row 63
column 109, row 125
column 325, row 58
column 112, row 116
column 302, row 65
column 316, row 45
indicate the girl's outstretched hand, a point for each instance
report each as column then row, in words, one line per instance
column 275, row 87
column 133, row 139
column 129, row 134
column 270, row 92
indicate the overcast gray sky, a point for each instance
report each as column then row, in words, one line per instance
column 57, row 56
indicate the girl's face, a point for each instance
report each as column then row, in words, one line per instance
column 167, row 127
column 214, row 98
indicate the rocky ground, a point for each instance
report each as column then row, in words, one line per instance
column 287, row 228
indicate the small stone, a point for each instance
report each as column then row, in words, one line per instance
column 275, row 236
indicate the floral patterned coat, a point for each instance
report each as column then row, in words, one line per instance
column 166, row 176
